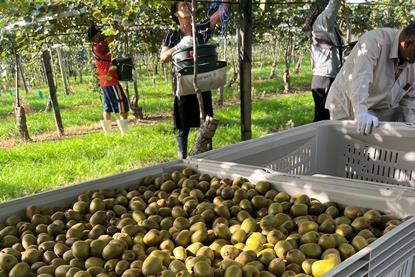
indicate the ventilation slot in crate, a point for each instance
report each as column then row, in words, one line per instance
column 376, row 165
column 297, row 162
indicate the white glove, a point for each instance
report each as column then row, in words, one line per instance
column 365, row 123
column 186, row 42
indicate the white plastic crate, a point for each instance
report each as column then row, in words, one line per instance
column 391, row 256
column 331, row 148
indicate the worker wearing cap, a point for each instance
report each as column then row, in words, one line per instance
column 377, row 81
column 115, row 100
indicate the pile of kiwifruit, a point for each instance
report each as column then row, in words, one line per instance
column 187, row 224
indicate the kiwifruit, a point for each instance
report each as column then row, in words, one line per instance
column 274, row 236
column 20, row 270
column 343, row 220
column 7, row 262
column 121, row 266
column 113, row 250
column 96, row 270
column 49, row 256
column 110, row 264
column 82, row 274
column 152, row 237
column 352, row 212
column 346, row 250
column 344, row 230
column 333, row 211
column 294, row 256
column 249, row 225
column 311, row 250
column 266, row 257
column 202, row 268
column 47, row 269
column 246, row 256
column 282, row 247
column 251, row 271
column 31, row 255
column 276, row 266
column 360, row 223
column 229, row 252
column 294, row 268
column 306, row 265
column 366, row 234
column 327, row 241
column 71, row 272
column 233, row 271
column 359, row 243
column 299, row 210
column 13, row 252
column 307, row 226
column 80, row 250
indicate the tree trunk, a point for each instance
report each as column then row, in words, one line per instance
column 348, row 25
column 288, row 52
column 208, row 125
column 235, row 72
column 43, row 72
column 19, row 110
column 137, row 110
column 275, row 60
column 261, row 58
column 63, row 72
column 52, row 91
column 146, row 62
column 287, row 81
column 298, row 64
column 53, row 69
column 48, row 108
column 21, row 69
column 81, row 68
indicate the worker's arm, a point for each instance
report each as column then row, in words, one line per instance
column 166, row 53
column 362, row 77
column 326, row 20
column 216, row 16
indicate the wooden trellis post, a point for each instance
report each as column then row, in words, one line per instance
column 245, row 67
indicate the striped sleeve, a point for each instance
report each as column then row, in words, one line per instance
column 170, row 39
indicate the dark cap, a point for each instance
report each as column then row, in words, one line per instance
column 92, row 31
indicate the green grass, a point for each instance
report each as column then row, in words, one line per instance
column 33, row 167
column 84, row 106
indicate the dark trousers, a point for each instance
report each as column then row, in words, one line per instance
column 182, row 141
column 320, row 87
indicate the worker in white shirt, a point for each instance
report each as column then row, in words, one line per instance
column 377, row 80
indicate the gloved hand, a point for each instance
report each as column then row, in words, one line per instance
column 186, row 42
column 365, row 123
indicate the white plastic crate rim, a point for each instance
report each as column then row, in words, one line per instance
column 392, row 255
column 332, row 148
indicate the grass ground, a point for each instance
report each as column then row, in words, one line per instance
column 33, row 167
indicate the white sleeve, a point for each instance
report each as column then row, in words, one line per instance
column 326, row 20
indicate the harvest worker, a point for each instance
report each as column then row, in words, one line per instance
column 326, row 56
column 186, row 108
column 115, row 100
column 377, row 80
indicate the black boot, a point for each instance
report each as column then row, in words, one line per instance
column 181, row 141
